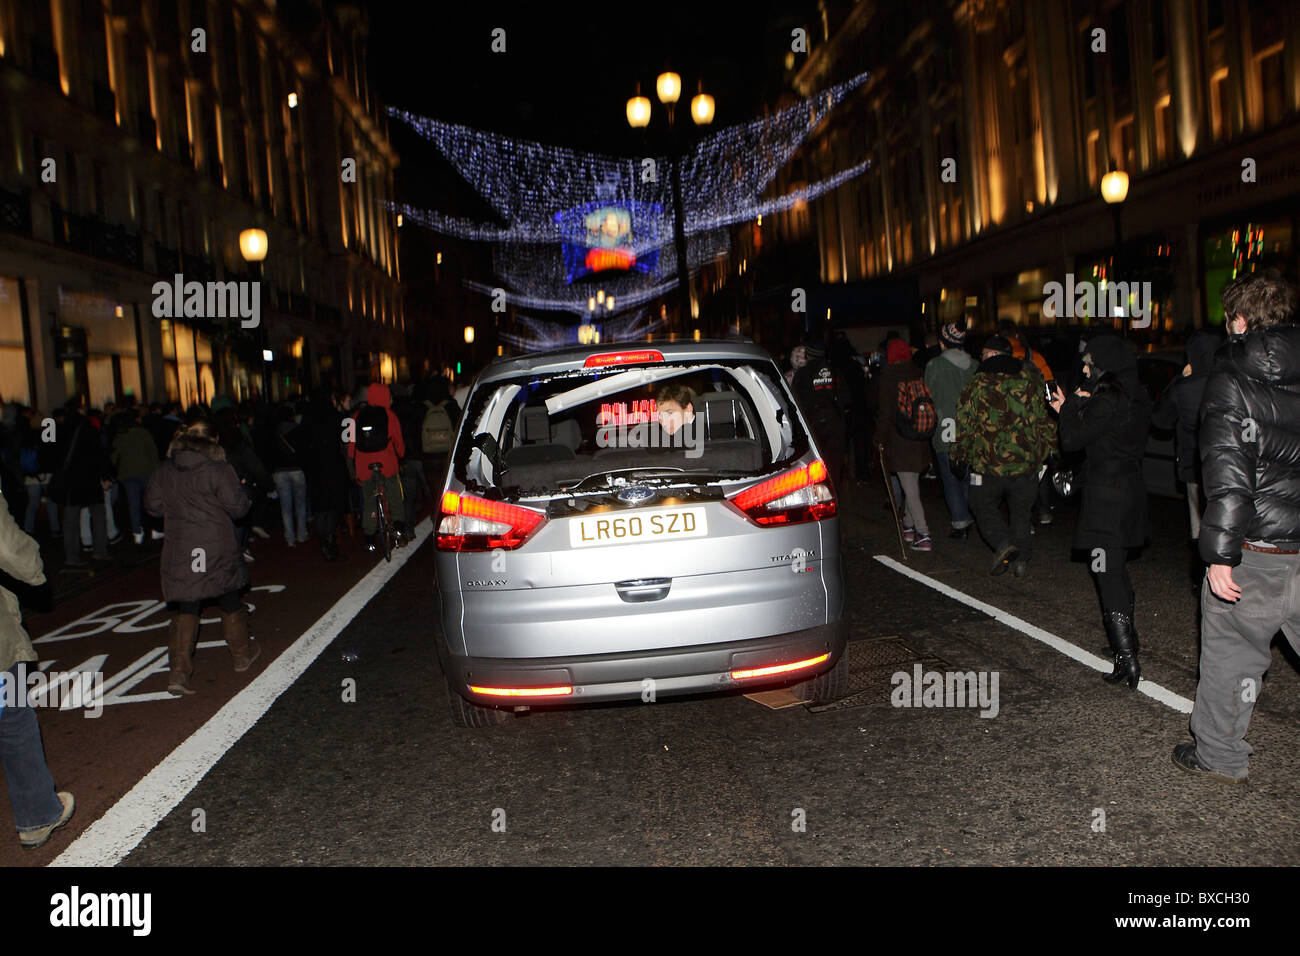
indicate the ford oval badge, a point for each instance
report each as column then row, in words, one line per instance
column 635, row 494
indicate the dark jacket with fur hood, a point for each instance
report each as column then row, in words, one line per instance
column 198, row 495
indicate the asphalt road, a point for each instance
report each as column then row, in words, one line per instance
column 387, row 779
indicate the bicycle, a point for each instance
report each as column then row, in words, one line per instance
column 383, row 519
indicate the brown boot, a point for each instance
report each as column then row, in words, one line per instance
column 180, row 653
column 234, row 628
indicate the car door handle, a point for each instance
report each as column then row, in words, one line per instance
column 643, row 589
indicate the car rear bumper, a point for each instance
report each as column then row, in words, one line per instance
column 623, row 676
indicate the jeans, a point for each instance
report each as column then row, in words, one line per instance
column 1235, row 653
column 31, row 788
column 110, row 496
column 291, row 486
column 33, row 485
column 72, row 531
column 134, row 495
column 956, row 492
column 986, row 499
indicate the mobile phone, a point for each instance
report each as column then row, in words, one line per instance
column 1047, row 388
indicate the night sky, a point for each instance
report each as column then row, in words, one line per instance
column 567, row 72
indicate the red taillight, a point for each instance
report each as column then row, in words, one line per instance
column 623, row 358
column 476, row 524
column 560, row 691
column 778, row 668
column 802, row 494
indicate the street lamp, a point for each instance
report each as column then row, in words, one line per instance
column 668, row 87
column 253, row 246
column 1114, row 189
column 469, row 335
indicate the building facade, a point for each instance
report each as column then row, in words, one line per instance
column 138, row 139
column 991, row 123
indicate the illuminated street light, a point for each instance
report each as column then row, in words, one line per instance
column 669, row 87
column 638, row 112
column 1114, row 186
column 293, row 101
column 253, row 245
column 469, row 334
column 702, row 109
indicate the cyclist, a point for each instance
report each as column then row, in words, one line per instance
column 377, row 438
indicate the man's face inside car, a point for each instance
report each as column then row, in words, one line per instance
column 672, row 416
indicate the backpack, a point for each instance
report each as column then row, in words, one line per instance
column 372, row 429
column 436, row 433
column 916, row 417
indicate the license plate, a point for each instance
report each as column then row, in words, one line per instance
column 659, row 524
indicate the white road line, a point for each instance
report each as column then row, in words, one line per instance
column 119, row 831
column 1164, row 695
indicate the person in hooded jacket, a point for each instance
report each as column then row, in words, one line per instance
column 389, row 459
column 1179, row 409
column 945, row 377
column 327, row 476
column 198, row 495
column 1108, row 417
column 905, row 457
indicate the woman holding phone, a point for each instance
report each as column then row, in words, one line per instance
column 1108, row 418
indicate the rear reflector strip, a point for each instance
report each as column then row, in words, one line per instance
column 562, row 691
column 623, row 358
column 778, row 668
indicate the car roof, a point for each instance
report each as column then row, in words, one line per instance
column 573, row 357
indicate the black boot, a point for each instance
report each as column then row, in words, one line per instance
column 1119, row 631
column 1108, row 651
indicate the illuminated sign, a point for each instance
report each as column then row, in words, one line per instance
column 627, row 413
column 606, row 236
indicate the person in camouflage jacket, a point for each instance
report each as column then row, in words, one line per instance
column 1004, row 433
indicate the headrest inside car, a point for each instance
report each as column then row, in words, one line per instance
column 536, row 426
column 719, row 411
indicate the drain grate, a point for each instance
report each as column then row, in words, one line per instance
column 872, row 665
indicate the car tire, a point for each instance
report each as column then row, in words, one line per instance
column 826, row 687
column 464, row 713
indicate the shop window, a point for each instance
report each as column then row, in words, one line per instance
column 1164, row 129
column 1271, row 88
column 13, row 356
column 1219, row 104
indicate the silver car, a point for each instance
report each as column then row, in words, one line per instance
column 635, row 522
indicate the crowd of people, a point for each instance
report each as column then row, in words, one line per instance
column 200, row 480
column 80, row 474
column 1005, row 432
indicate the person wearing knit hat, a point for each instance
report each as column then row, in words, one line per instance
column 952, row 335
column 905, row 457
column 945, row 377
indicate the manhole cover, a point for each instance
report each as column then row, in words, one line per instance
column 872, row 666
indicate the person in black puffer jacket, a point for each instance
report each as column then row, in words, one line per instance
column 1109, row 418
column 1179, row 410
column 1250, row 535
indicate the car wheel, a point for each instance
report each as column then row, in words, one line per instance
column 467, row 714
column 824, row 688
